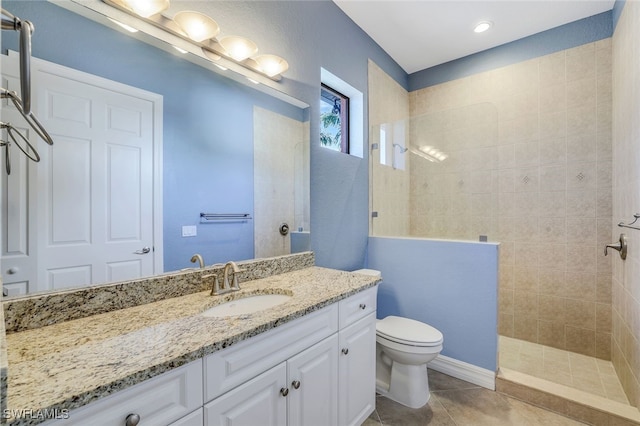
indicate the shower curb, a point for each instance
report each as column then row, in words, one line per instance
column 569, row 402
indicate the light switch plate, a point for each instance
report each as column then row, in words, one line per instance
column 189, row 231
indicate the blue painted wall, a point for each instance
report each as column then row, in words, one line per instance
column 566, row 36
column 208, row 156
column 451, row 285
column 617, row 10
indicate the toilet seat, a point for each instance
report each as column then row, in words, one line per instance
column 408, row 332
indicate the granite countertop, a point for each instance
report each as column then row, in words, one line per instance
column 72, row 363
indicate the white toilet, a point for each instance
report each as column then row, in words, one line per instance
column 403, row 349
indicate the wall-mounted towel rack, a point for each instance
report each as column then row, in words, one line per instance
column 628, row 225
column 224, row 217
column 26, row 28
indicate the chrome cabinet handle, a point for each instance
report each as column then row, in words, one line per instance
column 284, row 391
column 296, row 384
column 345, row 351
column 363, row 306
column 132, row 419
column 144, row 250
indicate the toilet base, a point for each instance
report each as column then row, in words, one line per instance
column 409, row 385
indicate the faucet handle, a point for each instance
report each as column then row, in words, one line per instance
column 620, row 246
column 215, row 286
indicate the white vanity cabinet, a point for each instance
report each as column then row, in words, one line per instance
column 316, row 370
column 357, row 366
column 299, row 391
column 357, row 371
column 163, row 399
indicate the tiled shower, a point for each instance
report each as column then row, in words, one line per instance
column 528, row 163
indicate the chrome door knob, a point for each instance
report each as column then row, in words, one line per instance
column 296, row 384
column 345, row 351
column 284, row 391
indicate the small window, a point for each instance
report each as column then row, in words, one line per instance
column 334, row 119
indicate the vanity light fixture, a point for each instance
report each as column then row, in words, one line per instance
column 125, row 26
column 201, row 31
column 196, row 25
column 482, row 26
column 239, row 48
column 181, row 50
column 146, row 8
column 271, row 64
column 429, row 153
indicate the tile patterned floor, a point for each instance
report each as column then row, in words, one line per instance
column 582, row 372
column 458, row 403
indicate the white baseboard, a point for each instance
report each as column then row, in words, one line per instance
column 464, row 371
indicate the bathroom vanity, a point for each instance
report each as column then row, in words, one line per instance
column 310, row 359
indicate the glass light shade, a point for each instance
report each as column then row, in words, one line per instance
column 147, row 8
column 239, row 48
column 271, row 64
column 196, row 25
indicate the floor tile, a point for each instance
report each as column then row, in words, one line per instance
column 439, row 381
column 455, row 402
column 393, row 414
column 583, row 372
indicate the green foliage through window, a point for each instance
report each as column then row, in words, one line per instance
column 334, row 109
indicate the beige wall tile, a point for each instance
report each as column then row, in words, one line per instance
column 581, row 314
column 581, row 340
column 552, row 333
column 539, row 178
column 525, row 329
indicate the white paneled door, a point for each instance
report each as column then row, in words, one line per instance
column 90, row 201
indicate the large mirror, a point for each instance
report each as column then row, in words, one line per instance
column 154, row 159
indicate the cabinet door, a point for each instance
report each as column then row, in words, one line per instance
column 193, row 419
column 313, row 380
column 357, row 368
column 256, row 402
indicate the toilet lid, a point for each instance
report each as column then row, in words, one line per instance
column 408, row 331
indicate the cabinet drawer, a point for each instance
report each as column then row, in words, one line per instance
column 358, row 306
column 158, row 401
column 228, row 368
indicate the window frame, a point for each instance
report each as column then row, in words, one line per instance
column 344, row 115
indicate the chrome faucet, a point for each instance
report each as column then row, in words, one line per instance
column 230, row 268
column 197, row 257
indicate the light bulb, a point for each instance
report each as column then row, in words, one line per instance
column 196, row 25
column 239, row 48
column 271, row 64
column 147, row 8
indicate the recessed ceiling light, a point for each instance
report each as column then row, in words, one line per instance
column 483, row 26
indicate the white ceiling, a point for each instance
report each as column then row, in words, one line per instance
column 424, row 33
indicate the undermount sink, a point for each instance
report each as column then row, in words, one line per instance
column 246, row 305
